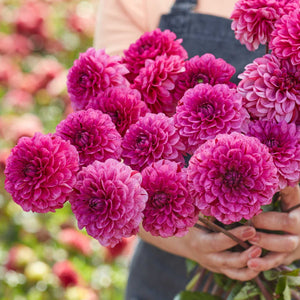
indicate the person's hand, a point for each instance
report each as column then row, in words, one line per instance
column 284, row 248
column 211, row 250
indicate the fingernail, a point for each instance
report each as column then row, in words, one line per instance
column 248, row 233
column 255, row 252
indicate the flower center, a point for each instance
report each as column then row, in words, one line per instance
column 30, row 170
column 232, row 178
column 143, row 48
column 159, row 200
column 97, row 204
column 271, row 143
column 83, row 79
column 141, row 140
column 206, row 109
column 115, row 116
column 82, row 138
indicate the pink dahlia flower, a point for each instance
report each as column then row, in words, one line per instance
column 231, row 177
column 93, row 73
column 271, row 89
column 149, row 46
column 93, row 134
column 152, row 138
column 122, row 104
column 170, row 210
column 157, row 83
column 41, row 172
column 66, row 273
column 108, row 201
column 283, row 141
column 253, row 20
column 285, row 39
column 205, row 111
column 204, row 69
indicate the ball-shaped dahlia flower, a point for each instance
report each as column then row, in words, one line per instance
column 204, row 69
column 205, row 111
column 157, row 83
column 92, row 73
column 93, row 134
column 170, row 210
column 152, row 138
column 122, row 104
column 149, row 46
column 41, row 172
column 283, row 141
column 271, row 89
column 285, row 39
column 231, row 177
column 254, row 20
column 108, row 201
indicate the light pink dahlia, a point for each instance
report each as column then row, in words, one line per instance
column 108, row 201
column 283, row 141
column 157, row 83
column 152, row 138
column 93, row 134
column 253, row 20
column 205, row 111
column 149, row 46
column 204, row 69
column 271, row 89
column 170, row 210
column 285, row 39
column 92, row 73
column 123, row 104
column 231, row 177
column 41, row 172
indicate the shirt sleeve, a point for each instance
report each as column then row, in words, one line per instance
column 121, row 22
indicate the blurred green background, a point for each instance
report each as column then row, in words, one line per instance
column 46, row 256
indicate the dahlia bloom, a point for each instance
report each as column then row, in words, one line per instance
column 170, row 210
column 253, row 20
column 41, row 172
column 204, row 69
column 152, row 138
column 285, row 39
column 91, row 74
column 205, row 111
column 66, row 273
column 122, row 104
column 108, row 201
column 283, row 141
column 149, row 46
column 271, row 89
column 157, row 83
column 93, row 134
column 231, row 177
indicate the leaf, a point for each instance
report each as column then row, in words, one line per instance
column 271, row 274
column 223, row 281
column 187, row 295
column 190, row 265
column 235, row 290
column 283, row 289
column 247, row 291
column 293, row 280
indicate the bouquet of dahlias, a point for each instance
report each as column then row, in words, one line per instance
column 163, row 140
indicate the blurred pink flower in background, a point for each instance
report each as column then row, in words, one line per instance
column 15, row 44
column 81, row 24
column 10, row 72
column 66, row 273
column 75, row 240
column 18, row 100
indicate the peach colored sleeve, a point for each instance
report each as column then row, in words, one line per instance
column 121, row 22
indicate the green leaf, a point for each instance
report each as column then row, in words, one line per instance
column 223, row 281
column 283, row 289
column 187, row 295
column 190, row 265
column 293, row 280
column 235, row 290
column 271, row 274
column 247, row 291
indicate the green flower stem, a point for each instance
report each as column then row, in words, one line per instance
column 196, row 280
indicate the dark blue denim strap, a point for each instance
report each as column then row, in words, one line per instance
column 183, row 6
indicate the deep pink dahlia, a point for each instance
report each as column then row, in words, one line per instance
column 149, row 46
column 152, row 138
column 283, row 141
column 170, row 210
column 123, row 104
column 91, row 74
column 285, row 39
column 157, row 83
column 204, row 69
column 253, row 20
column 205, row 111
column 271, row 89
column 93, row 134
column 108, row 201
column 231, row 177
column 41, row 172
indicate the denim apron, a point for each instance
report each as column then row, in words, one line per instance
column 155, row 274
